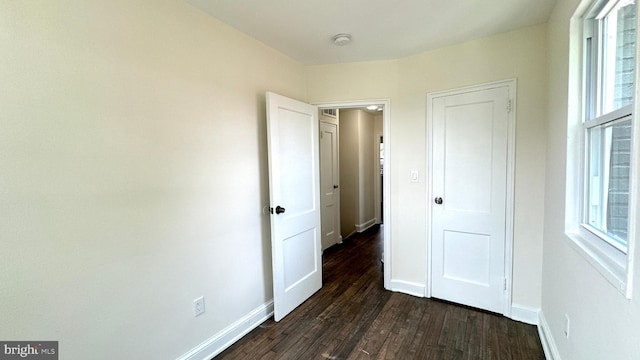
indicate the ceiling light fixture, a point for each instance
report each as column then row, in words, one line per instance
column 372, row 107
column 342, row 39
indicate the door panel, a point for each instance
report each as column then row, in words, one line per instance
column 299, row 258
column 297, row 172
column 470, row 146
column 329, row 181
column 466, row 257
column 294, row 187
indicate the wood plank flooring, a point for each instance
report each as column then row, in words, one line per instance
column 353, row 317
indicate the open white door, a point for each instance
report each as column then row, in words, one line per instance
column 294, row 186
column 329, row 180
column 469, row 207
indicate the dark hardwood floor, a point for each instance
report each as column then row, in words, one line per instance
column 353, row 317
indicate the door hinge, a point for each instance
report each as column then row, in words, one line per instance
column 505, row 284
column 509, row 105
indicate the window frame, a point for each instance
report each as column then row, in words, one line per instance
column 620, row 115
column 614, row 263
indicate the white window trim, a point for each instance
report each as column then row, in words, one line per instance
column 623, row 114
column 615, row 266
column 609, row 117
column 611, row 263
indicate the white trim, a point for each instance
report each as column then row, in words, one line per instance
column 229, row 335
column 610, row 117
column 386, row 182
column 510, row 195
column 510, row 209
column 634, row 187
column 429, row 212
column 365, row 225
column 408, row 288
column 602, row 257
column 616, row 268
column 548, row 343
column 525, row 314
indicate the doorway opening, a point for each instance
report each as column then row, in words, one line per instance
column 378, row 151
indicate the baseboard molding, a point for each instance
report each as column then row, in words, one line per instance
column 548, row 344
column 232, row 333
column 525, row 314
column 408, row 288
column 367, row 224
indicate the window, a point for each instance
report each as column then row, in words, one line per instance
column 609, row 68
column 607, row 195
column 610, row 47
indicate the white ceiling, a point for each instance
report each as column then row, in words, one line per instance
column 381, row 29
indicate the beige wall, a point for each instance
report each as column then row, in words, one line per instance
column 134, row 173
column 519, row 54
column 604, row 325
column 356, row 170
column 349, row 172
column 365, row 142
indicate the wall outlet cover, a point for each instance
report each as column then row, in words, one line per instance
column 198, row 306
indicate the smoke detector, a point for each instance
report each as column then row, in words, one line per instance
column 342, row 39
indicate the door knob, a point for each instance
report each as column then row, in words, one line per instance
column 438, row 200
column 279, row 210
column 335, row 186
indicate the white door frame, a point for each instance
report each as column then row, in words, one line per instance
column 386, row 181
column 511, row 83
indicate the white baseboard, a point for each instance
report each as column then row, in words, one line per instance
column 367, row 224
column 548, row 344
column 525, row 314
column 232, row 333
column 408, row 288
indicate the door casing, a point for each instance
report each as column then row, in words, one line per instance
column 511, row 84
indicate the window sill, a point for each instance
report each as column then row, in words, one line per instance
column 610, row 263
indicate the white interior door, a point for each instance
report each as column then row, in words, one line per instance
column 294, row 187
column 469, row 188
column 329, row 184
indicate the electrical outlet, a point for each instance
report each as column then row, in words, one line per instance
column 566, row 325
column 198, row 306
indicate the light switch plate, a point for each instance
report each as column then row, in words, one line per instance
column 415, row 176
